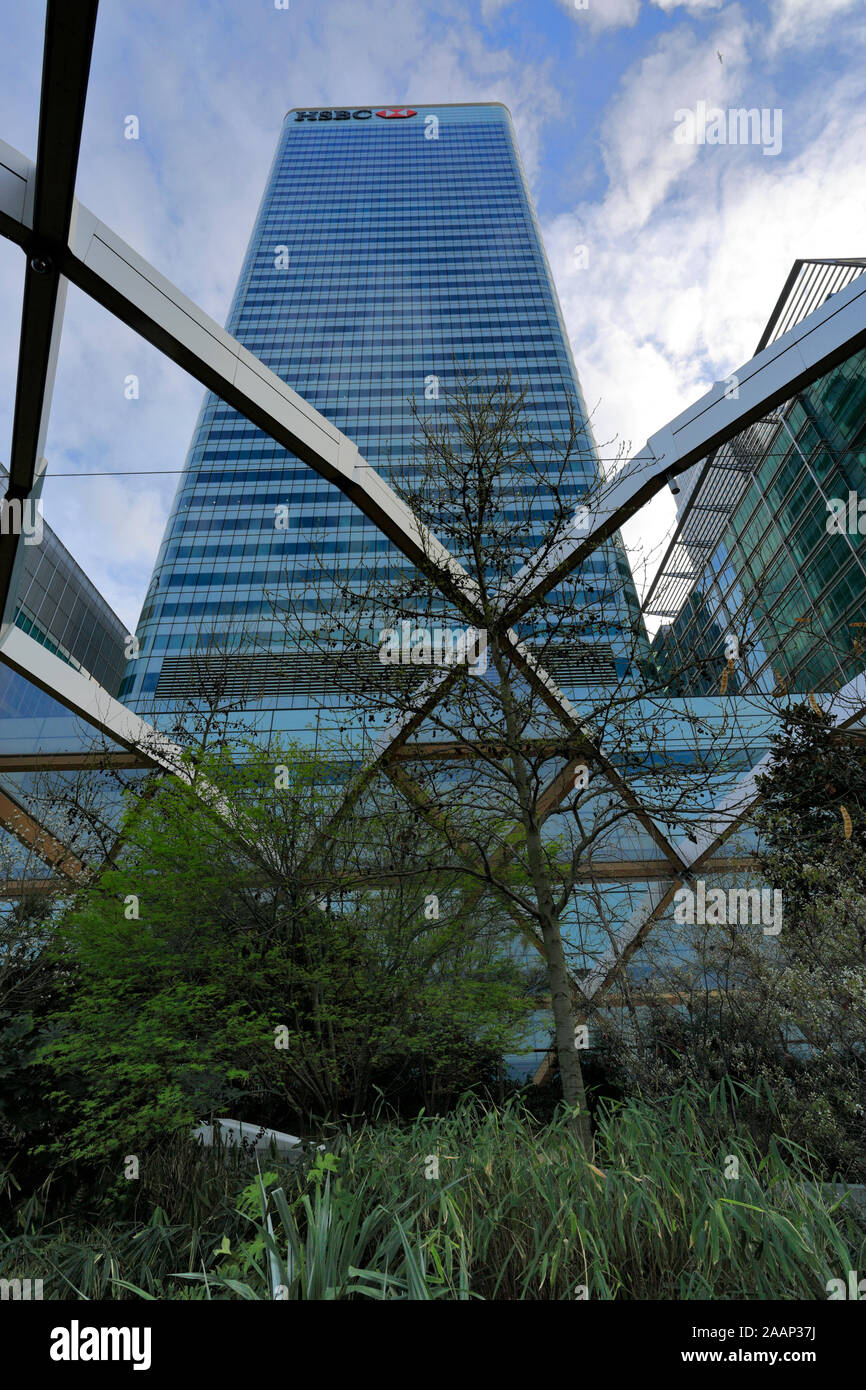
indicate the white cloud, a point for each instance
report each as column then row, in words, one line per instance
column 603, row 14
column 689, row 245
column 688, row 253
column 641, row 159
column 623, row 14
column 804, row 21
column 693, row 6
column 210, row 93
column 113, row 525
column 124, row 526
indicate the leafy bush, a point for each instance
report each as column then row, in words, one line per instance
column 204, row 974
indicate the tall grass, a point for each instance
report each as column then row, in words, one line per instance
column 517, row 1212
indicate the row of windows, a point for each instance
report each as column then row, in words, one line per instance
column 498, row 215
column 442, row 309
column 293, row 318
column 218, row 445
column 417, row 262
column 369, row 224
column 391, row 166
column 352, row 279
column 317, row 492
column 453, row 301
column 244, row 608
column 351, row 519
column 420, row 157
column 243, row 434
column 405, row 194
column 370, row 428
column 188, row 522
column 417, row 242
column 393, row 331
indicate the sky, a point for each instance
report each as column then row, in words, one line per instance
column 668, row 254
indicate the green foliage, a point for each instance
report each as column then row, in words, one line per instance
column 813, row 827
column 813, row 772
column 30, row 989
column 518, row 1212
column 172, row 1015
column 788, row 1012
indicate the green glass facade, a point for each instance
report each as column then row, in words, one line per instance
column 788, row 587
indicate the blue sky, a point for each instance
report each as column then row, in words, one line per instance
column 687, row 245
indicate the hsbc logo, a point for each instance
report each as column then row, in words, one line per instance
column 387, row 113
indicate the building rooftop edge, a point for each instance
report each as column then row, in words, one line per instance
column 369, row 106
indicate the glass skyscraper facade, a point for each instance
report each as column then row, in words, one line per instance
column 393, row 246
column 759, row 555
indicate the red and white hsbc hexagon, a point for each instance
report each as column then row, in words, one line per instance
column 391, row 112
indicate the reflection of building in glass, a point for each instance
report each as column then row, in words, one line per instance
column 752, row 558
column 391, row 247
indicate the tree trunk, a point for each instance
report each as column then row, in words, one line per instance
column 565, row 1019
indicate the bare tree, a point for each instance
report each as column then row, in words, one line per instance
column 527, row 786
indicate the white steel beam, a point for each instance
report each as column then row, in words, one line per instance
column 63, row 239
column 43, row 199
column 123, row 282
column 106, row 268
column 802, row 355
column 116, row 276
column 88, row 700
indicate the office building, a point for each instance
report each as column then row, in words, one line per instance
column 393, row 247
column 768, row 558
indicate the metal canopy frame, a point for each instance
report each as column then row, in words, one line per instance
column 64, row 242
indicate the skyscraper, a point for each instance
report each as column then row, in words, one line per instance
column 760, row 557
column 393, row 246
